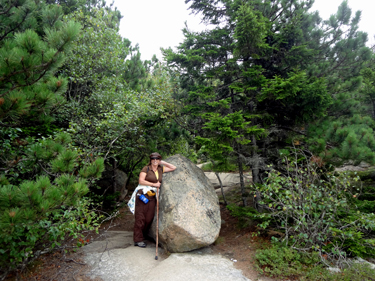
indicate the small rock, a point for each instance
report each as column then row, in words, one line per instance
column 360, row 260
column 334, row 269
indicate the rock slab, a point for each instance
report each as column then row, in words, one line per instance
column 115, row 258
column 188, row 267
column 189, row 212
column 227, row 179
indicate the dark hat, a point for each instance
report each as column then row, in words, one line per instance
column 155, row 154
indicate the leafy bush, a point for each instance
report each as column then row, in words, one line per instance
column 22, row 240
column 107, row 201
column 316, row 210
column 245, row 215
column 353, row 272
column 219, row 167
column 285, row 262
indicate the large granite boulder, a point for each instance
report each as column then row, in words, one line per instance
column 189, row 213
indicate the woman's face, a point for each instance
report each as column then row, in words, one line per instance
column 155, row 161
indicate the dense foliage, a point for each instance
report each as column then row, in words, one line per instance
column 318, row 210
column 283, row 70
column 270, row 75
column 43, row 180
column 285, row 262
column 269, row 86
column 74, row 99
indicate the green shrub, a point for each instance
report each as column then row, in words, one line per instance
column 280, row 261
column 36, row 215
column 284, row 262
column 224, row 167
column 246, row 215
column 207, row 167
column 22, row 240
column 366, row 206
column 354, row 272
column 107, row 201
column 316, row 210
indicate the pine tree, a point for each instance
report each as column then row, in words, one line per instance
column 275, row 62
column 42, row 181
column 346, row 133
column 136, row 72
column 37, row 214
column 89, row 7
column 245, row 61
column 32, row 44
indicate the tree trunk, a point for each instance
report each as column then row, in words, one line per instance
column 243, row 192
column 114, row 184
column 255, row 173
column 221, row 187
column 255, row 161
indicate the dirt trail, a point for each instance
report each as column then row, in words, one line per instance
column 233, row 253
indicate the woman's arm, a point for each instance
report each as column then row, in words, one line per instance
column 167, row 166
column 142, row 181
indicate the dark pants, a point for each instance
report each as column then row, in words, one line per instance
column 144, row 214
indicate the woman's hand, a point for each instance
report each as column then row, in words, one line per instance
column 157, row 184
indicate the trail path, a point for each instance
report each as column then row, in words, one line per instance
column 115, row 258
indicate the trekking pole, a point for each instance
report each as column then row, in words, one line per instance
column 157, row 222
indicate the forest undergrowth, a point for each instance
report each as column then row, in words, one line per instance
column 253, row 249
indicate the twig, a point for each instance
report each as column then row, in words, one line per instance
column 71, row 260
column 46, row 170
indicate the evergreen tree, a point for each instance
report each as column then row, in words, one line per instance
column 243, row 66
column 346, row 133
column 39, row 213
column 136, row 71
column 42, row 181
column 275, row 62
column 89, row 7
column 33, row 40
column 98, row 56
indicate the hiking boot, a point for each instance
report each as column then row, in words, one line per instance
column 140, row 244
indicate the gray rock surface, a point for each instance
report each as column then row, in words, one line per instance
column 121, row 180
column 227, row 179
column 115, row 258
column 188, row 267
column 360, row 260
column 189, row 213
column 363, row 166
column 226, row 189
column 350, row 168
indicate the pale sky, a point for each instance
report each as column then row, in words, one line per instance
column 158, row 23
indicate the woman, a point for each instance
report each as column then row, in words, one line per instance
column 150, row 179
